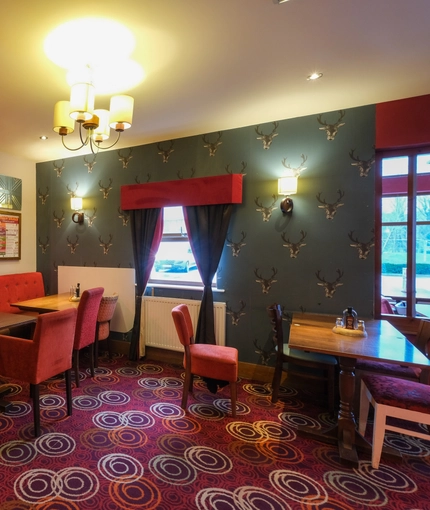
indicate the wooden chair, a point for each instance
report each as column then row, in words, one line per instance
column 85, row 334
column 295, row 358
column 48, row 354
column 205, row 360
column 422, row 342
column 106, row 311
column 391, row 398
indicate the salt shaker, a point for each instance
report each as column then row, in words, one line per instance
column 361, row 326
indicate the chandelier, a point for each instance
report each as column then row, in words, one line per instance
column 94, row 124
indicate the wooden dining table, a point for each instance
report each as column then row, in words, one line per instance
column 383, row 342
column 46, row 304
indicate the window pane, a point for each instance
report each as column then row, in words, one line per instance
column 174, row 222
column 394, row 209
column 423, row 164
column 423, row 261
column 423, row 208
column 395, row 166
column 394, row 259
column 174, row 262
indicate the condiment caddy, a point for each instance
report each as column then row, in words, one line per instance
column 349, row 324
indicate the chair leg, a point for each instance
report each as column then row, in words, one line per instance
column 379, row 422
column 109, row 346
column 68, row 377
column 233, row 393
column 186, row 389
column 96, row 353
column 276, row 382
column 34, row 391
column 76, row 366
column 364, row 409
column 91, row 347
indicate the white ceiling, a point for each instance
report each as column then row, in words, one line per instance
column 217, row 65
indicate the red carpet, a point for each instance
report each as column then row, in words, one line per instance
column 129, row 445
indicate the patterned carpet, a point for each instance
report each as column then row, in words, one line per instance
column 129, row 445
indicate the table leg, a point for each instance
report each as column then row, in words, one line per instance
column 347, row 435
column 344, row 434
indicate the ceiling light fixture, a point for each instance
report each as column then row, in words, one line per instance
column 97, row 123
column 91, row 72
column 314, row 76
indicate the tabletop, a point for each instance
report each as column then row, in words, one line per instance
column 47, row 303
column 314, row 332
column 8, row 320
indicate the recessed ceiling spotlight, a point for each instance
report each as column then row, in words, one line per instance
column 279, row 1
column 43, row 137
column 314, row 76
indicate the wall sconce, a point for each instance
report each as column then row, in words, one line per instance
column 287, row 186
column 76, row 204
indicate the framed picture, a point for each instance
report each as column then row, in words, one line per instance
column 10, row 235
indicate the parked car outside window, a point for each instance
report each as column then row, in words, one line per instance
column 176, row 257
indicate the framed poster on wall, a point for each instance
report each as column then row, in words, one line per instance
column 10, row 235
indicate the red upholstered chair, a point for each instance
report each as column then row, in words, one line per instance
column 86, row 322
column 323, row 366
column 48, row 354
column 386, row 306
column 392, row 397
column 106, row 311
column 205, row 360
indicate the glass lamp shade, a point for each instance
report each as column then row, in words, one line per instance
column 121, row 112
column 287, row 185
column 76, row 203
column 63, row 123
column 82, row 101
column 102, row 132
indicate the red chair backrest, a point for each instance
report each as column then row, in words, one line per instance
column 86, row 322
column 385, row 306
column 53, row 343
column 184, row 326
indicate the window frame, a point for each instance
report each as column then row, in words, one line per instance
column 177, row 237
column 412, row 154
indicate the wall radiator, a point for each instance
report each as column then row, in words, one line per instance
column 158, row 328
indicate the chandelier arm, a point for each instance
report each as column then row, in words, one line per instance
column 110, row 146
column 70, row 148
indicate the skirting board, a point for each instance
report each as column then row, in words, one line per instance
column 259, row 373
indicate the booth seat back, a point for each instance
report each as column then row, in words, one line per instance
column 19, row 287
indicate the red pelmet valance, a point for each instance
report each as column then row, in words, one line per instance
column 218, row 189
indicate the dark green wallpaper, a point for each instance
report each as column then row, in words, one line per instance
column 332, row 173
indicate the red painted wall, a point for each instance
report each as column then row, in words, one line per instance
column 401, row 123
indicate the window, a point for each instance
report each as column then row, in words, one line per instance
column 403, row 230
column 175, row 263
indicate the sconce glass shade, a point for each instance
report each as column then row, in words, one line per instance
column 121, row 112
column 82, row 97
column 63, row 123
column 102, row 132
column 76, row 203
column 287, row 185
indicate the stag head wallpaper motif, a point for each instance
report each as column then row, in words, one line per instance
column 303, row 260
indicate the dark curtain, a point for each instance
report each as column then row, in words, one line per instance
column 146, row 233
column 207, row 229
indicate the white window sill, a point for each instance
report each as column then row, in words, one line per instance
column 182, row 287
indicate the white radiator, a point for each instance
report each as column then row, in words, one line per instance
column 158, row 328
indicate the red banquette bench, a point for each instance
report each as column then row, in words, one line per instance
column 19, row 287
